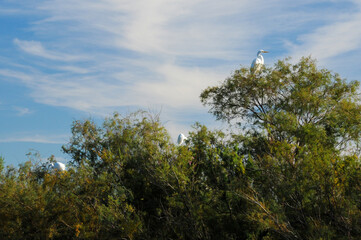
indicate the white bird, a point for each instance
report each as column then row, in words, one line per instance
column 258, row 62
column 58, row 166
column 181, row 139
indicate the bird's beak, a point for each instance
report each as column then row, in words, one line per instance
column 265, row 51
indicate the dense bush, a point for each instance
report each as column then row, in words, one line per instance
column 293, row 171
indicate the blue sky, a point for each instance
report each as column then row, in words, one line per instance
column 63, row 60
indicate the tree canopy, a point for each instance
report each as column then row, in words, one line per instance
column 292, row 172
column 301, row 136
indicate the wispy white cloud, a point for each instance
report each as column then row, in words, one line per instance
column 97, row 56
column 9, row 11
column 21, row 111
column 13, row 74
column 138, row 48
column 36, row 138
column 178, row 86
column 330, row 41
column 37, row 49
column 72, row 69
column 156, row 27
column 338, row 36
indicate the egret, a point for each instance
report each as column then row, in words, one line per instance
column 58, row 166
column 181, row 139
column 258, row 62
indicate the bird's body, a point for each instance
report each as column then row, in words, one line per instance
column 59, row 166
column 181, row 139
column 258, row 62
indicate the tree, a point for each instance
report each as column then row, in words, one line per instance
column 293, row 171
column 187, row 192
column 301, row 134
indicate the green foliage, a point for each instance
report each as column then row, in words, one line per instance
column 1, row 164
column 302, row 144
column 294, row 172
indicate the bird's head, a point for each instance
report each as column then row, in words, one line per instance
column 261, row 51
column 181, row 139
